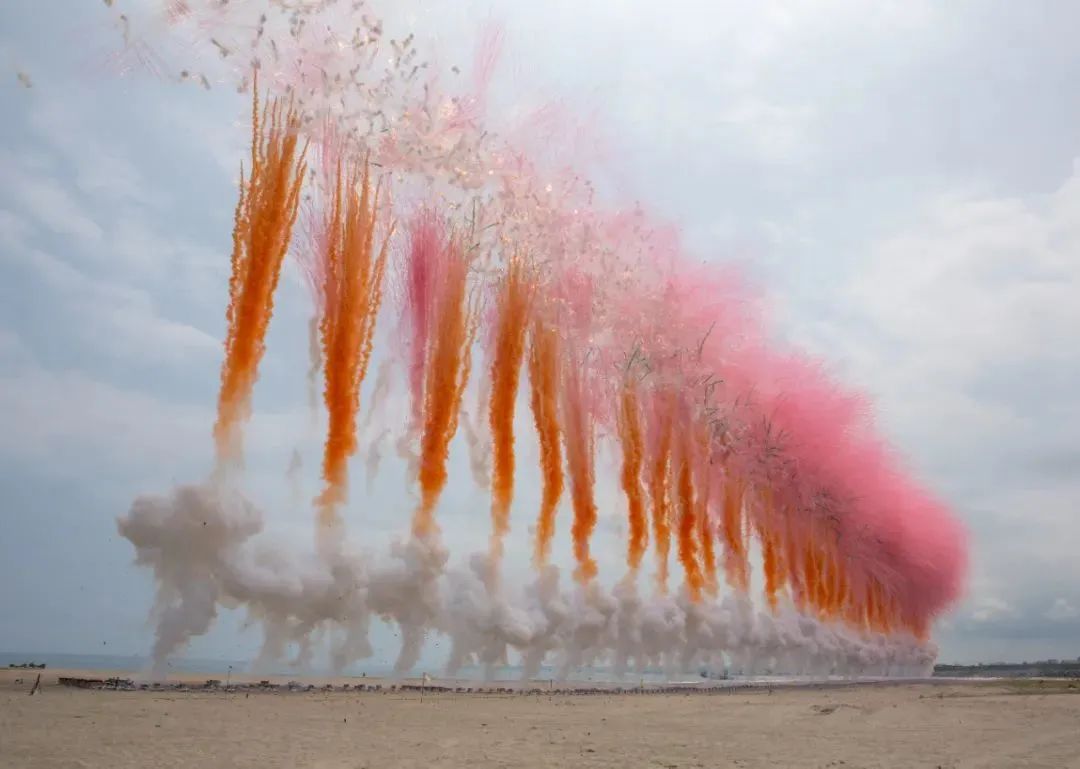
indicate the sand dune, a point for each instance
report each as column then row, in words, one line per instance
column 1028, row 724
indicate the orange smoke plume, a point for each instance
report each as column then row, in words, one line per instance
column 771, row 553
column 352, row 292
column 446, row 375
column 543, row 380
column 736, row 568
column 262, row 228
column 810, row 575
column 631, row 442
column 706, row 531
column 688, row 525
column 659, row 482
column 515, row 298
column 579, row 441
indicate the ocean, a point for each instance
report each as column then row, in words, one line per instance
column 139, row 664
column 504, row 674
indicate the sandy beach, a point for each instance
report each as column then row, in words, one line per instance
column 954, row 725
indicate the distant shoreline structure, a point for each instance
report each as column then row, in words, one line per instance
column 1042, row 669
column 138, row 668
column 251, row 684
column 187, row 668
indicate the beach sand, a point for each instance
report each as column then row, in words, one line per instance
column 963, row 725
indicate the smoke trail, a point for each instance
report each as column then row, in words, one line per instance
column 422, row 278
column 631, row 442
column 378, row 394
column 688, row 525
column 770, row 554
column 658, row 486
column 353, row 294
column 374, row 449
column 292, row 473
column 772, row 563
column 810, row 575
column 543, row 380
column 203, row 546
column 901, row 558
column 706, row 529
column 445, row 378
column 314, row 365
column 515, row 296
column 265, row 214
column 374, row 457
column 579, row 442
column 736, row 568
column 479, row 447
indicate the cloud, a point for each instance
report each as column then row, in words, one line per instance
column 989, row 608
column 100, row 171
column 958, row 318
column 109, row 312
column 113, row 318
column 70, row 423
column 1061, row 610
column 10, row 344
column 46, row 200
column 980, row 280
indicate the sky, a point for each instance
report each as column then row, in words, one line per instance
column 900, row 180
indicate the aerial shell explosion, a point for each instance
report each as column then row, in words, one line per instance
column 767, row 528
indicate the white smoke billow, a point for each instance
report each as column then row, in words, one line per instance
column 202, row 543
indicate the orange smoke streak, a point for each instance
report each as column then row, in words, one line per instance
column 353, row 292
column 843, row 589
column 688, row 525
column 810, row 574
column 631, row 442
column 705, row 527
column 772, row 561
column 543, row 380
column 262, row 228
column 658, row 493
column 447, row 373
column 772, row 568
column 736, row 568
column 578, row 438
column 791, row 564
column 515, row 298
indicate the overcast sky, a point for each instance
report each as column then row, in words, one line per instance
column 899, row 178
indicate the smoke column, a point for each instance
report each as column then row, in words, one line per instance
column 735, row 565
column 580, row 450
column 265, row 215
column 446, row 371
column 659, row 482
column 706, row 529
column 514, row 297
column 543, row 380
column 746, row 455
column 688, row 526
column 352, row 289
column 630, row 442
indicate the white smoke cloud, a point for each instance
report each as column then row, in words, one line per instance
column 201, row 541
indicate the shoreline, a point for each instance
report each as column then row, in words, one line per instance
column 243, row 682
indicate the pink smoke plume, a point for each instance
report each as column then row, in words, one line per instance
column 735, row 445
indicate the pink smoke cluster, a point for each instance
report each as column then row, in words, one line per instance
column 733, row 441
